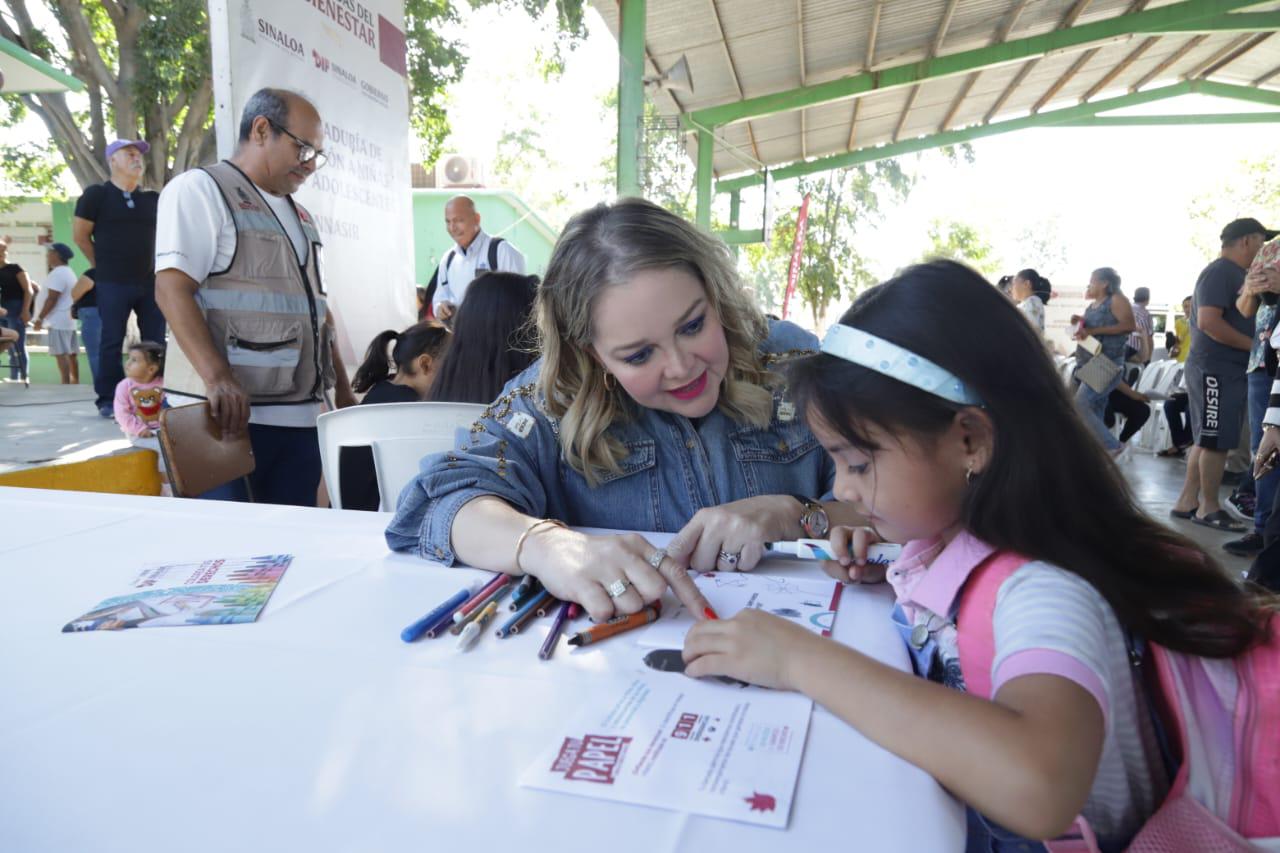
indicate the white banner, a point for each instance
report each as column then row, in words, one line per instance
column 348, row 58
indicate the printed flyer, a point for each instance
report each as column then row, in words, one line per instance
column 809, row 602
column 211, row 592
column 679, row 743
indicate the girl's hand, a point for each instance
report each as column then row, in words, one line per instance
column 581, row 568
column 1080, row 335
column 1075, row 318
column 731, row 537
column 146, row 433
column 853, row 569
column 753, row 646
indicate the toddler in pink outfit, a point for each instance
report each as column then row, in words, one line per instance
column 140, row 395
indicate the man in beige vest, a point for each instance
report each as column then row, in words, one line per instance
column 238, row 279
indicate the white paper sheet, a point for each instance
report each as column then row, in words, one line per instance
column 679, row 743
column 811, row 603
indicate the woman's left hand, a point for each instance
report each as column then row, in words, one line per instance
column 753, row 646
column 731, row 537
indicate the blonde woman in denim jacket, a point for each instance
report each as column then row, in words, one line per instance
column 655, row 405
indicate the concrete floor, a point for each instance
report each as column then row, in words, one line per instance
column 47, row 422
column 44, row 423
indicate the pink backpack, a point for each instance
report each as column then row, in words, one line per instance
column 1221, row 719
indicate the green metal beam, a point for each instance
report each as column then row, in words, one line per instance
column 1239, row 22
column 706, row 149
column 735, row 208
column 1162, row 120
column 970, row 60
column 630, row 94
column 952, row 137
column 1237, row 93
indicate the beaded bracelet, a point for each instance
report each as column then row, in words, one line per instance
column 527, row 532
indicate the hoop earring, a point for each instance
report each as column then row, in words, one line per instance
column 968, row 474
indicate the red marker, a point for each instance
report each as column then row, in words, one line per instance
column 709, row 613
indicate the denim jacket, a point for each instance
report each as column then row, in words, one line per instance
column 674, row 467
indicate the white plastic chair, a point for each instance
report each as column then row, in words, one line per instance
column 400, row 435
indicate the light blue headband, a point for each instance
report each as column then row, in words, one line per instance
column 897, row 363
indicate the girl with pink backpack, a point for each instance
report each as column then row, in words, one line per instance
column 1092, row 680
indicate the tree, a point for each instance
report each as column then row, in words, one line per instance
column 832, row 267
column 961, row 242
column 146, row 69
column 1249, row 188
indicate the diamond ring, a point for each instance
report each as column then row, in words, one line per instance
column 616, row 588
column 655, row 559
column 730, row 560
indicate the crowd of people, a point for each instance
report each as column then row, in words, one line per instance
column 637, row 387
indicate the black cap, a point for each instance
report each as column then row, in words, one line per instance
column 1244, row 227
column 64, row 251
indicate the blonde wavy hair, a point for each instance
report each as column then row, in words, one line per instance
column 606, row 246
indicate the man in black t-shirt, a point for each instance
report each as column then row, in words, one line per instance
column 115, row 227
column 1217, row 387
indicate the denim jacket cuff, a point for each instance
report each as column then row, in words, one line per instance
column 437, row 525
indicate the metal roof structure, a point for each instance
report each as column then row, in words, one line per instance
column 22, row 71
column 800, row 86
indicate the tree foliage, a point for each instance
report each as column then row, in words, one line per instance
column 961, row 242
column 1248, row 188
column 146, row 69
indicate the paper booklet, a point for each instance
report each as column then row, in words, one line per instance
column 211, row 592
column 713, row 746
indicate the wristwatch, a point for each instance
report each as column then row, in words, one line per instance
column 814, row 519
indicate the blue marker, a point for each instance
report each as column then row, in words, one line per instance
column 441, row 613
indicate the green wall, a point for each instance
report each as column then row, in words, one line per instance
column 502, row 214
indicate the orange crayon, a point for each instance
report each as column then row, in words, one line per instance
column 617, row 625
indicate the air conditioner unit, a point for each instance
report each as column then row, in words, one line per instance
column 459, row 170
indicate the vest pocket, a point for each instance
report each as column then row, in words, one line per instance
column 263, row 353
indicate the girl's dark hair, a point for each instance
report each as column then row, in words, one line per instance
column 153, row 351
column 1050, row 492
column 430, row 338
column 1040, row 285
column 493, row 339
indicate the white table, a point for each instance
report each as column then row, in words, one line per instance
column 316, row 728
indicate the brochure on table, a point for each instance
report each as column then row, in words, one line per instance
column 209, row 592
column 714, row 747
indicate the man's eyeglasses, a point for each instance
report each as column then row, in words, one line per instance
column 307, row 153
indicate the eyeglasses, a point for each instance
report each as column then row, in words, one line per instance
column 128, row 198
column 307, row 153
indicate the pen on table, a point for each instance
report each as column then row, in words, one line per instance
column 481, row 598
column 524, row 614
column 473, row 628
column 617, row 625
column 444, row 611
column 527, row 588
column 557, row 628
column 495, row 596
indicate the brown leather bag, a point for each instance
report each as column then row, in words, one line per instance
column 195, row 454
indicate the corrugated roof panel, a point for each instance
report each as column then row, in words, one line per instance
column 835, row 114
column 749, row 18
column 775, row 127
column 765, row 64
column 836, row 45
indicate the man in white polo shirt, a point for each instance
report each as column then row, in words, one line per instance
column 476, row 252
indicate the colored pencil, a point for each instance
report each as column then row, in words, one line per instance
column 524, row 614
column 617, row 625
column 474, row 628
column 496, row 595
column 445, row 610
column 557, row 628
column 549, row 604
column 481, row 598
column 526, row 589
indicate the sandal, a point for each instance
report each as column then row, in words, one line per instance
column 1219, row 521
column 1185, row 515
